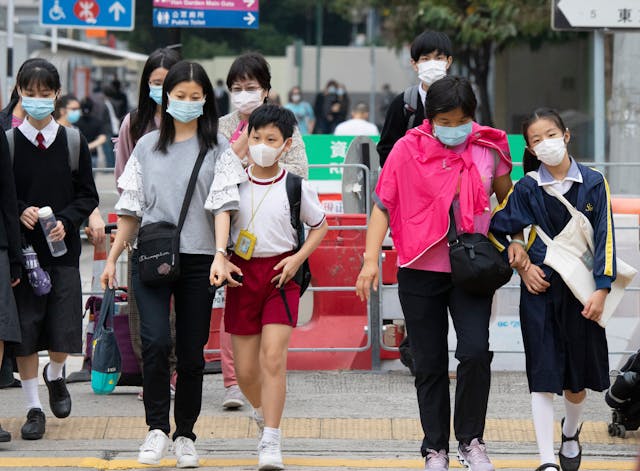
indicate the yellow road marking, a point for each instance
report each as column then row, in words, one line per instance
column 80, row 463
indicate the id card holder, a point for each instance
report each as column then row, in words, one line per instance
column 245, row 244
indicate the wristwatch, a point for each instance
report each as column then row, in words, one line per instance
column 222, row 251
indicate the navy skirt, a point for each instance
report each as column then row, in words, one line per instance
column 564, row 351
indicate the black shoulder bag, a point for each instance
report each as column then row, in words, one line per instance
column 476, row 265
column 159, row 242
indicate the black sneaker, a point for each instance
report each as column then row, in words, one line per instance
column 59, row 398
column 4, row 435
column 33, row 428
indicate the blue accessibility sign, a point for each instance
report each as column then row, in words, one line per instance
column 93, row 14
column 188, row 18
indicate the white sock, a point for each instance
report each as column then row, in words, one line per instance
column 542, row 411
column 573, row 413
column 30, row 391
column 271, row 434
column 259, row 411
column 54, row 370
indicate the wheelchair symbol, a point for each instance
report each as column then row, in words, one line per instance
column 56, row 13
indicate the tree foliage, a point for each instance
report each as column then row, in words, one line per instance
column 477, row 28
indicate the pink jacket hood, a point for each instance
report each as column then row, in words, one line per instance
column 419, row 181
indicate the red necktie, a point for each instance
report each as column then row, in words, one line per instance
column 40, row 139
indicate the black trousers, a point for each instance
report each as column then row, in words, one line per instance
column 425, row 297
column 193, row 303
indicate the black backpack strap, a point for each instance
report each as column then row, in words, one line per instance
column 294, row 195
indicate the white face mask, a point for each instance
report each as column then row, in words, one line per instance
column 246, row 102
column 263, row 155
column 551, row 152
column 431, row 70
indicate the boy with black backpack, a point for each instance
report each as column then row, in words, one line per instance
column 268, row 251
column 431, row 58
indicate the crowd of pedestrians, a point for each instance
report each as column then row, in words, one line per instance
column 242, row 154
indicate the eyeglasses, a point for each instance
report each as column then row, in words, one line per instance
column 250, row 89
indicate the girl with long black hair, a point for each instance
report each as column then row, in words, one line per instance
column 153, row 186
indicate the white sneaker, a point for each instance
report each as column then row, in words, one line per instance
column 270, row 456
column 155, row 446
column 233, row 397
column 186, row 454
column 259, row 420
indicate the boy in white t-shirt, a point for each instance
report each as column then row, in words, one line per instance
column 261, row 313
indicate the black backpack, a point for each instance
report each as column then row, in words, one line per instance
column 294, row 194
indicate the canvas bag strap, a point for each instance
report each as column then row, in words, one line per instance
column 106, row 311
column 191, row 188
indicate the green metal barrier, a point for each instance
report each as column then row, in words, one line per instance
column 329, row 149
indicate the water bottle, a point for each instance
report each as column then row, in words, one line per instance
column 48, row 223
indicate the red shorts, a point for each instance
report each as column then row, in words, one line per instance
column 258, row 302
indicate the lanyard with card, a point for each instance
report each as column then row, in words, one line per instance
column 246, row 242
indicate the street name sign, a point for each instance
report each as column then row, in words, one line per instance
column 595, row 14
column 88, row 14
column 206, row 14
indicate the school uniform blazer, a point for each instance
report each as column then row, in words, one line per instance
column 525, row 206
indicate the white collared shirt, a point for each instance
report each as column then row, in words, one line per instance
column 562, row 186
column 50, row 131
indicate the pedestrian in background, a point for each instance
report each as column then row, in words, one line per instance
column 44, row 176
column 222, row 97
column 67, row 111
column 118, row 98
column 431, row 58
column 158, row 170
column 565, row 348
column 449, row 162
column 10, row 264
column 91, row 128
column 358, row 125
column 144, row 119
column 302, row 110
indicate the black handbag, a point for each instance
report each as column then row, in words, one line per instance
column 476, row 265
column 159, row 242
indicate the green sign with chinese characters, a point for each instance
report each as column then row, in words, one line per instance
column 329, row 149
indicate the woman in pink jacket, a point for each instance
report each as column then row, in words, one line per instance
column 448, row 160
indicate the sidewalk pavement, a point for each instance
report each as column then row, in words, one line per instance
column 332, row 420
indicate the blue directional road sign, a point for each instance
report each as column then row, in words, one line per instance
column 88, row 14
column 187, row 18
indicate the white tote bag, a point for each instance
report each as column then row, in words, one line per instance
column 570, row 253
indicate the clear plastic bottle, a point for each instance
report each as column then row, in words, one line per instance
column 48, row 223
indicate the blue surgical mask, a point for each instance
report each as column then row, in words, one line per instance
column 453, row 136
column 37, row 108
column 155, row 93
column 185, row 111
column 73, row 116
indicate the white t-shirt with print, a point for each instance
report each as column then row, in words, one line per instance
column 271, row 224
